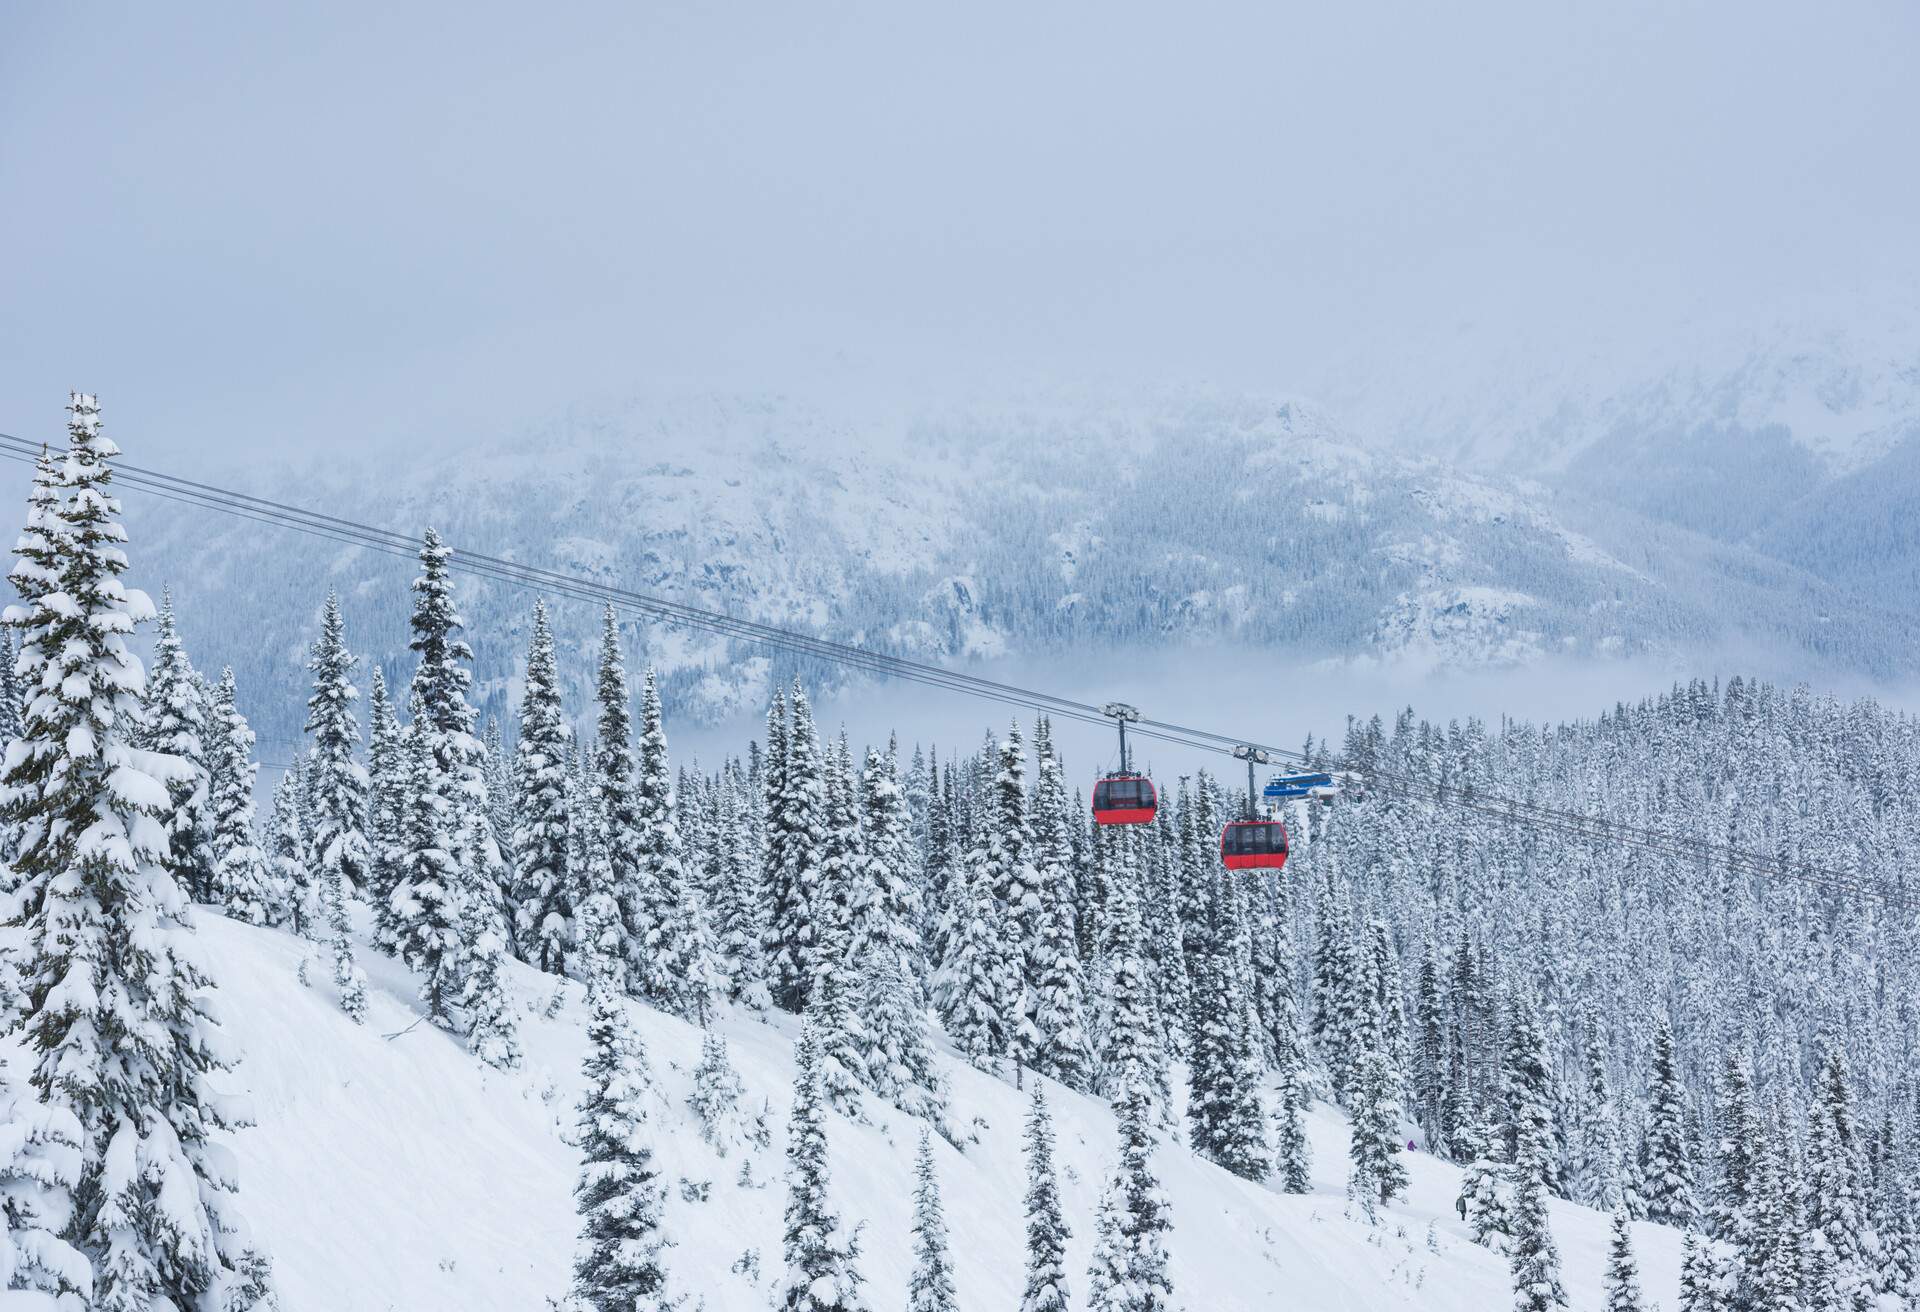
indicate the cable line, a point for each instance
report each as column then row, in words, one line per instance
column 1511, row 811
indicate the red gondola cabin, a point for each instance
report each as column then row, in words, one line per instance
column 1124, row 799
column 1254, row 845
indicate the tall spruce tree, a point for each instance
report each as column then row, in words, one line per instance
column 970, row 985
column 822, row 1265
column 1528, row 1096
column 1737, row 1141
column 492, row 1027
column 673, row 966
column 1132, row 1048
column 339, row 821
column 1056, row 1006
column 1666, row 1171
column 1841, row 1250
column 740, row 913
column 620, row 1195
column 1047, row 1233
column 1699, row 1285
column 119, row 1024
column 930, row 1288
column 1130, row 1272
column 1010, row 872
column 388, row 771
column 1377, row 1174
column 1485, row 1201
column 1623, row 1273
column 1599, row 1157
column 546, row 884
column 1292, row 1153
column 446, row 721
column 796, row 842
column 174, row 722
column 243, row 880
column 1533, row 1257
column 1223, row 1099
column 426, row 907
column 896, row 1048
column 291, row 856
column 618, row 815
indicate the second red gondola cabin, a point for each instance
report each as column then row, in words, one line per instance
column 1124, row 799
column 1254, row 845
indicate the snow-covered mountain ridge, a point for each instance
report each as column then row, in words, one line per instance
column 1188, row 519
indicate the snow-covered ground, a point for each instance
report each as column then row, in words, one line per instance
column 390, row 1170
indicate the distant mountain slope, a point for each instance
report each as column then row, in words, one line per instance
column 1050, row 528
column 1794, row 436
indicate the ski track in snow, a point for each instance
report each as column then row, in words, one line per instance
column 401, row 1173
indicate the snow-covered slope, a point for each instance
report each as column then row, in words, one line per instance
column 390, row 1170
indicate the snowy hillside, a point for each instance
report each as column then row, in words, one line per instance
column 391, row 1170
column 1050, row 528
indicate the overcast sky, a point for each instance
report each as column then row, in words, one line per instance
column 262, row 225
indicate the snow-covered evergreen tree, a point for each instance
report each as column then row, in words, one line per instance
column 1377, row 1174
column 1699, row 1284
column 886, row 911
column 1527, row 1096
column 717, row 1089
column 40, row 1155
column 389, row 785
column 970, row 979
column 492, row 1028
column 119, row 1025
column 174, row 722
column 243, row 880
column 1599, row 1158
column 616, row 813
column 1056, row 1006
column 1623, row 1273
column 1484, row 1200
column 503, row 802
column 1047, row 1233
column 1223, row 1099
column 1841, row 1251
column 1533, row 1257
column 796, row 842
column 1666, row 1170
column 1731, row 1200
column 1132, row 1047
column 930, row 1287
column 739, row 908
column 896, row 1045
column 444, row 720
column 545, row 884
column 839, row 1031
column 348, row 977
column 673, row 964
column 619, row 1197
column 1008, row 866
column 1292, row 1154
column 291, row 857
column 822, row 1264
column 1130, row 1272
column 426, row 910
column 339, row 822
